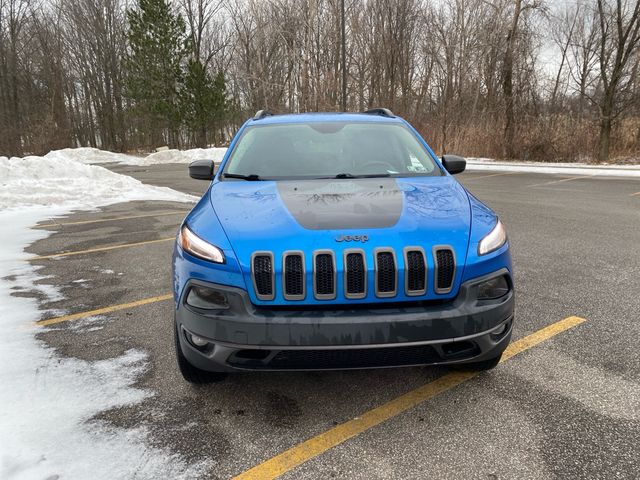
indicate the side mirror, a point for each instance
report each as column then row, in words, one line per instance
column 201, row 170
column 453, row 164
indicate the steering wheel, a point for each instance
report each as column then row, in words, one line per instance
column 387, row 166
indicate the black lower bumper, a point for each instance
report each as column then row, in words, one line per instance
column 244, row 337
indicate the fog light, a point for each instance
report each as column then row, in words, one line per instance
column 501, row 329
column 495, row 288
column 207, row 298
column 198, row 341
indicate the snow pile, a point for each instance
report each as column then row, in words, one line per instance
column 59, row 180
column 183, row 156
column 487, row 164
column 48, row 401
column 95, row 156
column 90, row 155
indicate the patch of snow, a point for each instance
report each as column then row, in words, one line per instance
column 183, row 156
column 487, row 164
column 53, row 312
column 48, row 401
column 88, row 324
column 61, row 181
column 89, row 155
column 25, row 283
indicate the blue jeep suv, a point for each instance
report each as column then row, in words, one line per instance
column 337, row 241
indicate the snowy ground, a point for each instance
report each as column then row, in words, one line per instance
column 48, row 401
column 489, row 164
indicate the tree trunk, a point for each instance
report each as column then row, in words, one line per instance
column 507, row 83
column 202, row 136
column 509, row 122
column 604, row 141
column 15, row 130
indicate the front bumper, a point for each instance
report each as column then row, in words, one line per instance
column 245, row 337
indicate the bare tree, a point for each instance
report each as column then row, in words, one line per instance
column 13, row 20
column 467, row 73
column 583, row 59
column 562, row 31
column 507, row 73
column 619, row 35
column 95, row 40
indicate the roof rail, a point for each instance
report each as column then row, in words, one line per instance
column 385, row 112
column 260, row 114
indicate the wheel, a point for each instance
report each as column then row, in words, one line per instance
column 193, row 374
column 483, row 365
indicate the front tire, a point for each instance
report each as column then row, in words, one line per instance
column 190, row 373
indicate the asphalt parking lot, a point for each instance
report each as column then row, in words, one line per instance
column 566, row 406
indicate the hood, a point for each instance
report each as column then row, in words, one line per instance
column 338, row 214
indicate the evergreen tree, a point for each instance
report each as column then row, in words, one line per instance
column 203, row 101
column 222, row 109
column 156, row 40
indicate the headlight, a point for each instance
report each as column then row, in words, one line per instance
column 494, row 239
column 199, row 248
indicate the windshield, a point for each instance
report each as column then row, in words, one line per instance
column 329, row 149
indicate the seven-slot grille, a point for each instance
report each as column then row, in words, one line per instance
column 324, row 275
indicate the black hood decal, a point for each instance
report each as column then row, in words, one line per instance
column 343, row 204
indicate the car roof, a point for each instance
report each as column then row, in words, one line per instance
column 325, row 117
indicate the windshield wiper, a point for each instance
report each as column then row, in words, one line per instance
column 252, row 177
column 370, row 175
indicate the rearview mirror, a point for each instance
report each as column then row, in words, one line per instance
column 201, row 170
column 453, row 164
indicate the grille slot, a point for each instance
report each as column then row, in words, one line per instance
column 355, row 274
column 445, row 269
column 263, row 275
column 386, row 273
column 293, row 278
column 324, row 275
column 415, row 271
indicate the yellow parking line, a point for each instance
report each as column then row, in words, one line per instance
column 100, row 249
column 553, row 182
column 113, row 219
column 492, row 175
column 319, row 444
column 101, row 311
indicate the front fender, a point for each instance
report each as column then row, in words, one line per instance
column 203, row 221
